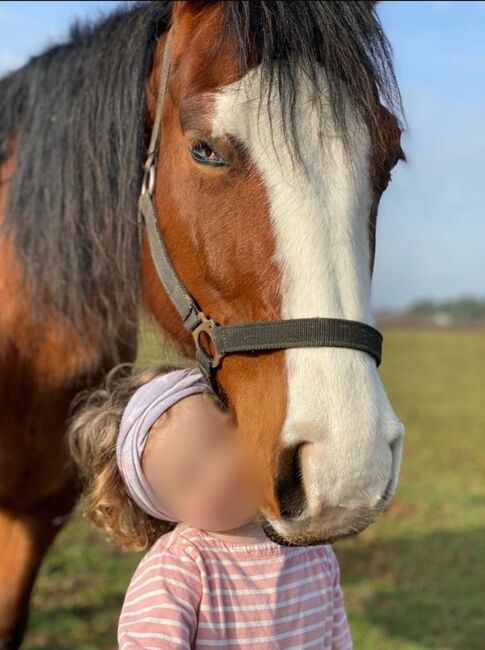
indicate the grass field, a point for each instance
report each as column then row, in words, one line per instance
column 414, row 580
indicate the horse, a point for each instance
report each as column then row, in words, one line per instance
column 281, row 124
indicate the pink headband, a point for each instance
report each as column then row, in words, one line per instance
column 143, row 409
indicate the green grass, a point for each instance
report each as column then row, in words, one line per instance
column 414, row 580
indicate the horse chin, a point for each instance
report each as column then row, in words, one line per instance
column 311, row 531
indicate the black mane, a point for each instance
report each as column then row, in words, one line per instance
column 345, row 38
column 78, row 110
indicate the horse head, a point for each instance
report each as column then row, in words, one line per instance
column 279, row 134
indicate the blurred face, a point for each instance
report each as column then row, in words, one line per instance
column 200, row 467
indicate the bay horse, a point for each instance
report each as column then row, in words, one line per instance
column 281, row 124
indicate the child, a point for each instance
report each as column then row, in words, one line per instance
column 166, row 468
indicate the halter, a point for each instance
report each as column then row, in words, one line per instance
column 241, row 337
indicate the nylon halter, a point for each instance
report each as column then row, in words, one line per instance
column 240, row 337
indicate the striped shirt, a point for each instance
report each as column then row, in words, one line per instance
column 194, row 590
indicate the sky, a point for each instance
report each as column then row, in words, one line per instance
column 431, row 224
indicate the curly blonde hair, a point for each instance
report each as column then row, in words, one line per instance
column 93, row 425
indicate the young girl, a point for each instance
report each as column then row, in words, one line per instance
column 166, row 469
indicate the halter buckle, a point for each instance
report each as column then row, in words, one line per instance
column 148, row 182
column 206, row 325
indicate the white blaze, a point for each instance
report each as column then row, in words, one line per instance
column 321, row 229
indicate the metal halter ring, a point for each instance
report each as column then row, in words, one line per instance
column 206, row 325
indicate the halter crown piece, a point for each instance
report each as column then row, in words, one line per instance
column 240, row 337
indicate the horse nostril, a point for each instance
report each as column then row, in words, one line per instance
column 289, row 485
column 394, row 445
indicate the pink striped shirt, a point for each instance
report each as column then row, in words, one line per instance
column 193, row 590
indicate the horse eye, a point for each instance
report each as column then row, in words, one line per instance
column 202, row 152
column 399, row 155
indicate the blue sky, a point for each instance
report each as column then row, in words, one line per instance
column 431, row 225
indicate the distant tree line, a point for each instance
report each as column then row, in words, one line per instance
column 460, row 309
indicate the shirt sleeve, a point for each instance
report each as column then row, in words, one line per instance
column 160, row 609
column 341, row 636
